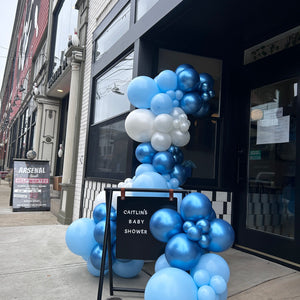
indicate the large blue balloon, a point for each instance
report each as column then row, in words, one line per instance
column 161, row 104
column 161, row 263
column 179, row 172
column 203, row 111
column 163, row 162
column 166, row 80
column 191, row 102
column 144, row 153
column 182, row 253
column 99, row 231
column 127, row 269
column 165, row 223
column 96, row 257
column 188, row 80
column 214, row 264
column 221, row 234
column 80, row 237
column 183, row 67
column 195, row 206
column 171, row 284
column 99, row 212
column 141, row 90
column 144, row 168
column 93, row 270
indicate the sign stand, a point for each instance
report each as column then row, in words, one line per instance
column 107, row 235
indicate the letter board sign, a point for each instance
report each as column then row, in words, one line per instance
column 134, row 238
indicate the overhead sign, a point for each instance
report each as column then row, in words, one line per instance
column 31, row 185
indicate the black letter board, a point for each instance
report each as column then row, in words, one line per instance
column 134, row 238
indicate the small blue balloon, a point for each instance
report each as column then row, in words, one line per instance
column 218, row 283
column 141, row 90
column 205, row 96
column 99, row 231
column 161, row 104
column 165, row 223
column 179, row 173
column 99, row 212
column 204, row 225
column 195, row 206
column 182, row 253
column 206, row 292
column 144, row 168
column 96, row 257
column 221, row 234
column 201, row 277
column 179, row 94
column 211, row 93
column 194, row 233
column 144, row 153
column 203, row 111
column 171, row 284
column 173, row 183
column 188, row 80
column 127, row 269
column 161, row 263
column 187, row 225
column 204, row 241
column 171, row 94
column 163, row 162
column 177, row 154
column 166, row 80
column 191, row 102
column 207, row 79
column 183, row 67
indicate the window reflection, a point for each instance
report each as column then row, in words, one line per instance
column 143, row 6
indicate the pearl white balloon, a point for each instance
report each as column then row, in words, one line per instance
column 163, row 123
column 139, row 125
column 176, row 124
column 177, row 111
column 184, row 126
column 180, row 138
column 161, row 141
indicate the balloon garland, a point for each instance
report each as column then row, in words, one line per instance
column 160, row 124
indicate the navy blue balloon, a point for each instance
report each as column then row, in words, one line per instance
column 165, row 223
column 203, row 111
column 221, row 234
column 99, row 212
column 100, row 230
column 207, row 80
column 96, row 257
column 188, row 80
column 144, row 153
column 191, row 102
column 182, row 253
column 182, row 67
column 195, row 206
column 179, row 173
column 177, row 154
column 205, row 96
column 163, row 162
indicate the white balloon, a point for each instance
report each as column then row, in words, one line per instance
column 176, row 124
column 163, row 123
column 161, row 141
column 184, row 126
column 177, row 111
column 139, row 125
column 180, row 138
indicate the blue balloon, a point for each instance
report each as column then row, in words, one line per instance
column 99, row 231
column 201, row 277
column 163, row 162
column 182, row 253
column 205, row 96
column 204, row 225
column 127, row 269
column 161, row 263
column 173, row 183
column 206, row 292
column 93, row 270
column 171, row 284
column 203, row 111
column 194, row 233
column 206, row 82
column 204, row 241
column 179, row 173
column 141, row 90
column 195, row 206
column 144, row 168
column 99, row 212
column 191, row 102
column 144, row 153
column 187, row 225
column 166, row 80
column 161, row 104
column 221, row 234
column 183, row 67
column 80, row 237
column 165, row 223
column 172, row 93
column 177, row 154
column 188, row 80
column 214, row 264
column 218, row 283
column 212, row 215
column 96, row 257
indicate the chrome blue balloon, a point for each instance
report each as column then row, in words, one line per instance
column 177, row 154
column 207, row 79
column 204, row 241
column 161, row 263
column 191, row 102
column 187, row 225
column 203, row 111
column 212, row 215
column 161, row 104
column 194, row 233
column 163, row 162
column 179, row 173
column 188, row 80
column 171, row 284
column 165, row 223
column 99, row 212
column 205, row 96
column 166, row 80
column 204, row 225
column 195, row 206
column 96, row 257
column 100, row 230
column 211, row 93
column 93, row 270
column 144, row 153
column 144, row 168
column 221, row 234
column 182, row 253
column 182, row 67
column 127, row 269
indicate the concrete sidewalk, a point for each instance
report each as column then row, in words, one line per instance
column 35, row 264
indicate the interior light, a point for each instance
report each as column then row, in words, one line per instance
column 60, row 91
column 256, row 114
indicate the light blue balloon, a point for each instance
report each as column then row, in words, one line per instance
column 191, row 102
column 206, row 292
column 161, row 263
column 99, row 212
column 166, row 80
column 144, row 153
column 221, row 234
column 179, row 94
column 222, row 296
column 195, row 206
column 96, row 257
column 171, row 93
column 163, row 162
column 173, row 183
column 201, row 277
column 171, row 284
column 99, row 231
column 141, row 90
column 144, row 168
column 127, row 269
column 182, row 253
column 218, row 283
column 188, row 80
column 161, row 104
column 214, row 264
column 80, row 237
column 165, row 223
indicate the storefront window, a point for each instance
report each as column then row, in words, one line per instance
column 143, row 6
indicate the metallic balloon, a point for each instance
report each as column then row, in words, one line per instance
column 194, row 233
column 177, row 154
column 204, row 225
column 127, row 269
column 183, row 67
column 179, row 173
column 203, row 111
column 205, row 96
column 207, row 79
column 204, row 241
column 182, row 253
column 187, row 225
column 163, row 162
column 195, row 206
column 99, row 231
column 96, row 257
column 165, row 223
column 191, row 102
column 144, row 153
column 188, row 80
column 221, row 234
